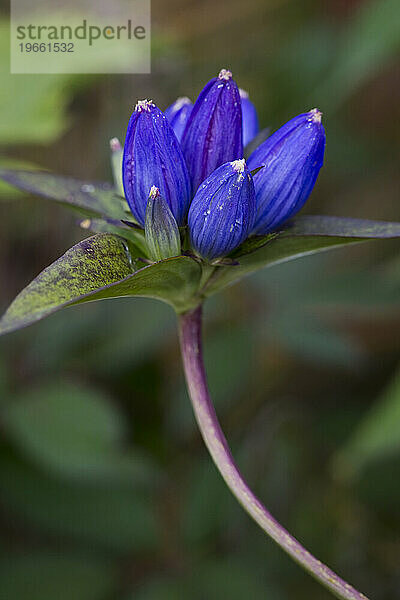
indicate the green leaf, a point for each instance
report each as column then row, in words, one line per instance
column 8, row 191
column 107, row 266
column 48, row 576
column 89, row 198
column 74, row 432
column 97, row 268
column 93, row 199
column 303, row 236
column 341, row 227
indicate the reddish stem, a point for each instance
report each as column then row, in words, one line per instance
column 191, row 348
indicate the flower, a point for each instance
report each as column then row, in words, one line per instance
column 249, row 118
column 213, row 135
column 178, row 115
column 153, row 157
column 161, row 231
column 222, row 213
column 185, row 167
column 291, row 159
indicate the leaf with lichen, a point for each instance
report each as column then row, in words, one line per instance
column 100, row 267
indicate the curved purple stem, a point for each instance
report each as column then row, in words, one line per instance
column 191, row 348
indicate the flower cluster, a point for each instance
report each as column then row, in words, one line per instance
column 186, row 167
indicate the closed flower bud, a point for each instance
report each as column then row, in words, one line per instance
column 178, row 115
column 291, row 158
column 222, row 213
column 213, row 135
column 161, row 230
column 152, row 156
column 249, row 118
column 116, row 164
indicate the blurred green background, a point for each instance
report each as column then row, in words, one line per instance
column 106, row 490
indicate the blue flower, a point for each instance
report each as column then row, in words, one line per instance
column 153, row 157
column 249, row 118
column 291, row 158
column 222, row 213
column 178, row 115
column 163, row 174
column 213, row 135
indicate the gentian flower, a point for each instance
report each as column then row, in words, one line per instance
column 178, row 115
column 213, row 135
column 161, row 231
column 249, row 118
column 152, row 156
column 291, row 159
column 222, row 213
column 203, row 181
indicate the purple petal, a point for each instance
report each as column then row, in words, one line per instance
column 178, row 115
column 153, row 157
column 213, row 135
column 249, row 118
column 222, row 213
column 292, row 158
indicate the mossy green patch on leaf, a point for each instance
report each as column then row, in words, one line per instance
column 102, row 267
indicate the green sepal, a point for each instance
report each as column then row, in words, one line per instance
column 161, row 230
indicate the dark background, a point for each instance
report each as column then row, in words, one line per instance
column 106, row 490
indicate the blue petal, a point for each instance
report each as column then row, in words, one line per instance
column 213, row 135
column 249, row 118
column 153, row 157
column 222, row 213
column 292, row 158
column 178, row 115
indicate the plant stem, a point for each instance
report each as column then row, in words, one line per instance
column 191, row 348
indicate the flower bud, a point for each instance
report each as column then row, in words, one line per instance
column 178, row 115
column 116, row 164
column 213, row 134
column 222, row 213
column 152, row 156
column 292, row 158
column 161, row 230
column 249, row 118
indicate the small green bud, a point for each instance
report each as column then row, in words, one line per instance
column 161, row 230
column 116, row 165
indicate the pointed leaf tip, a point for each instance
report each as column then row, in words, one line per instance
column 97, row 268
column 300, row 237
